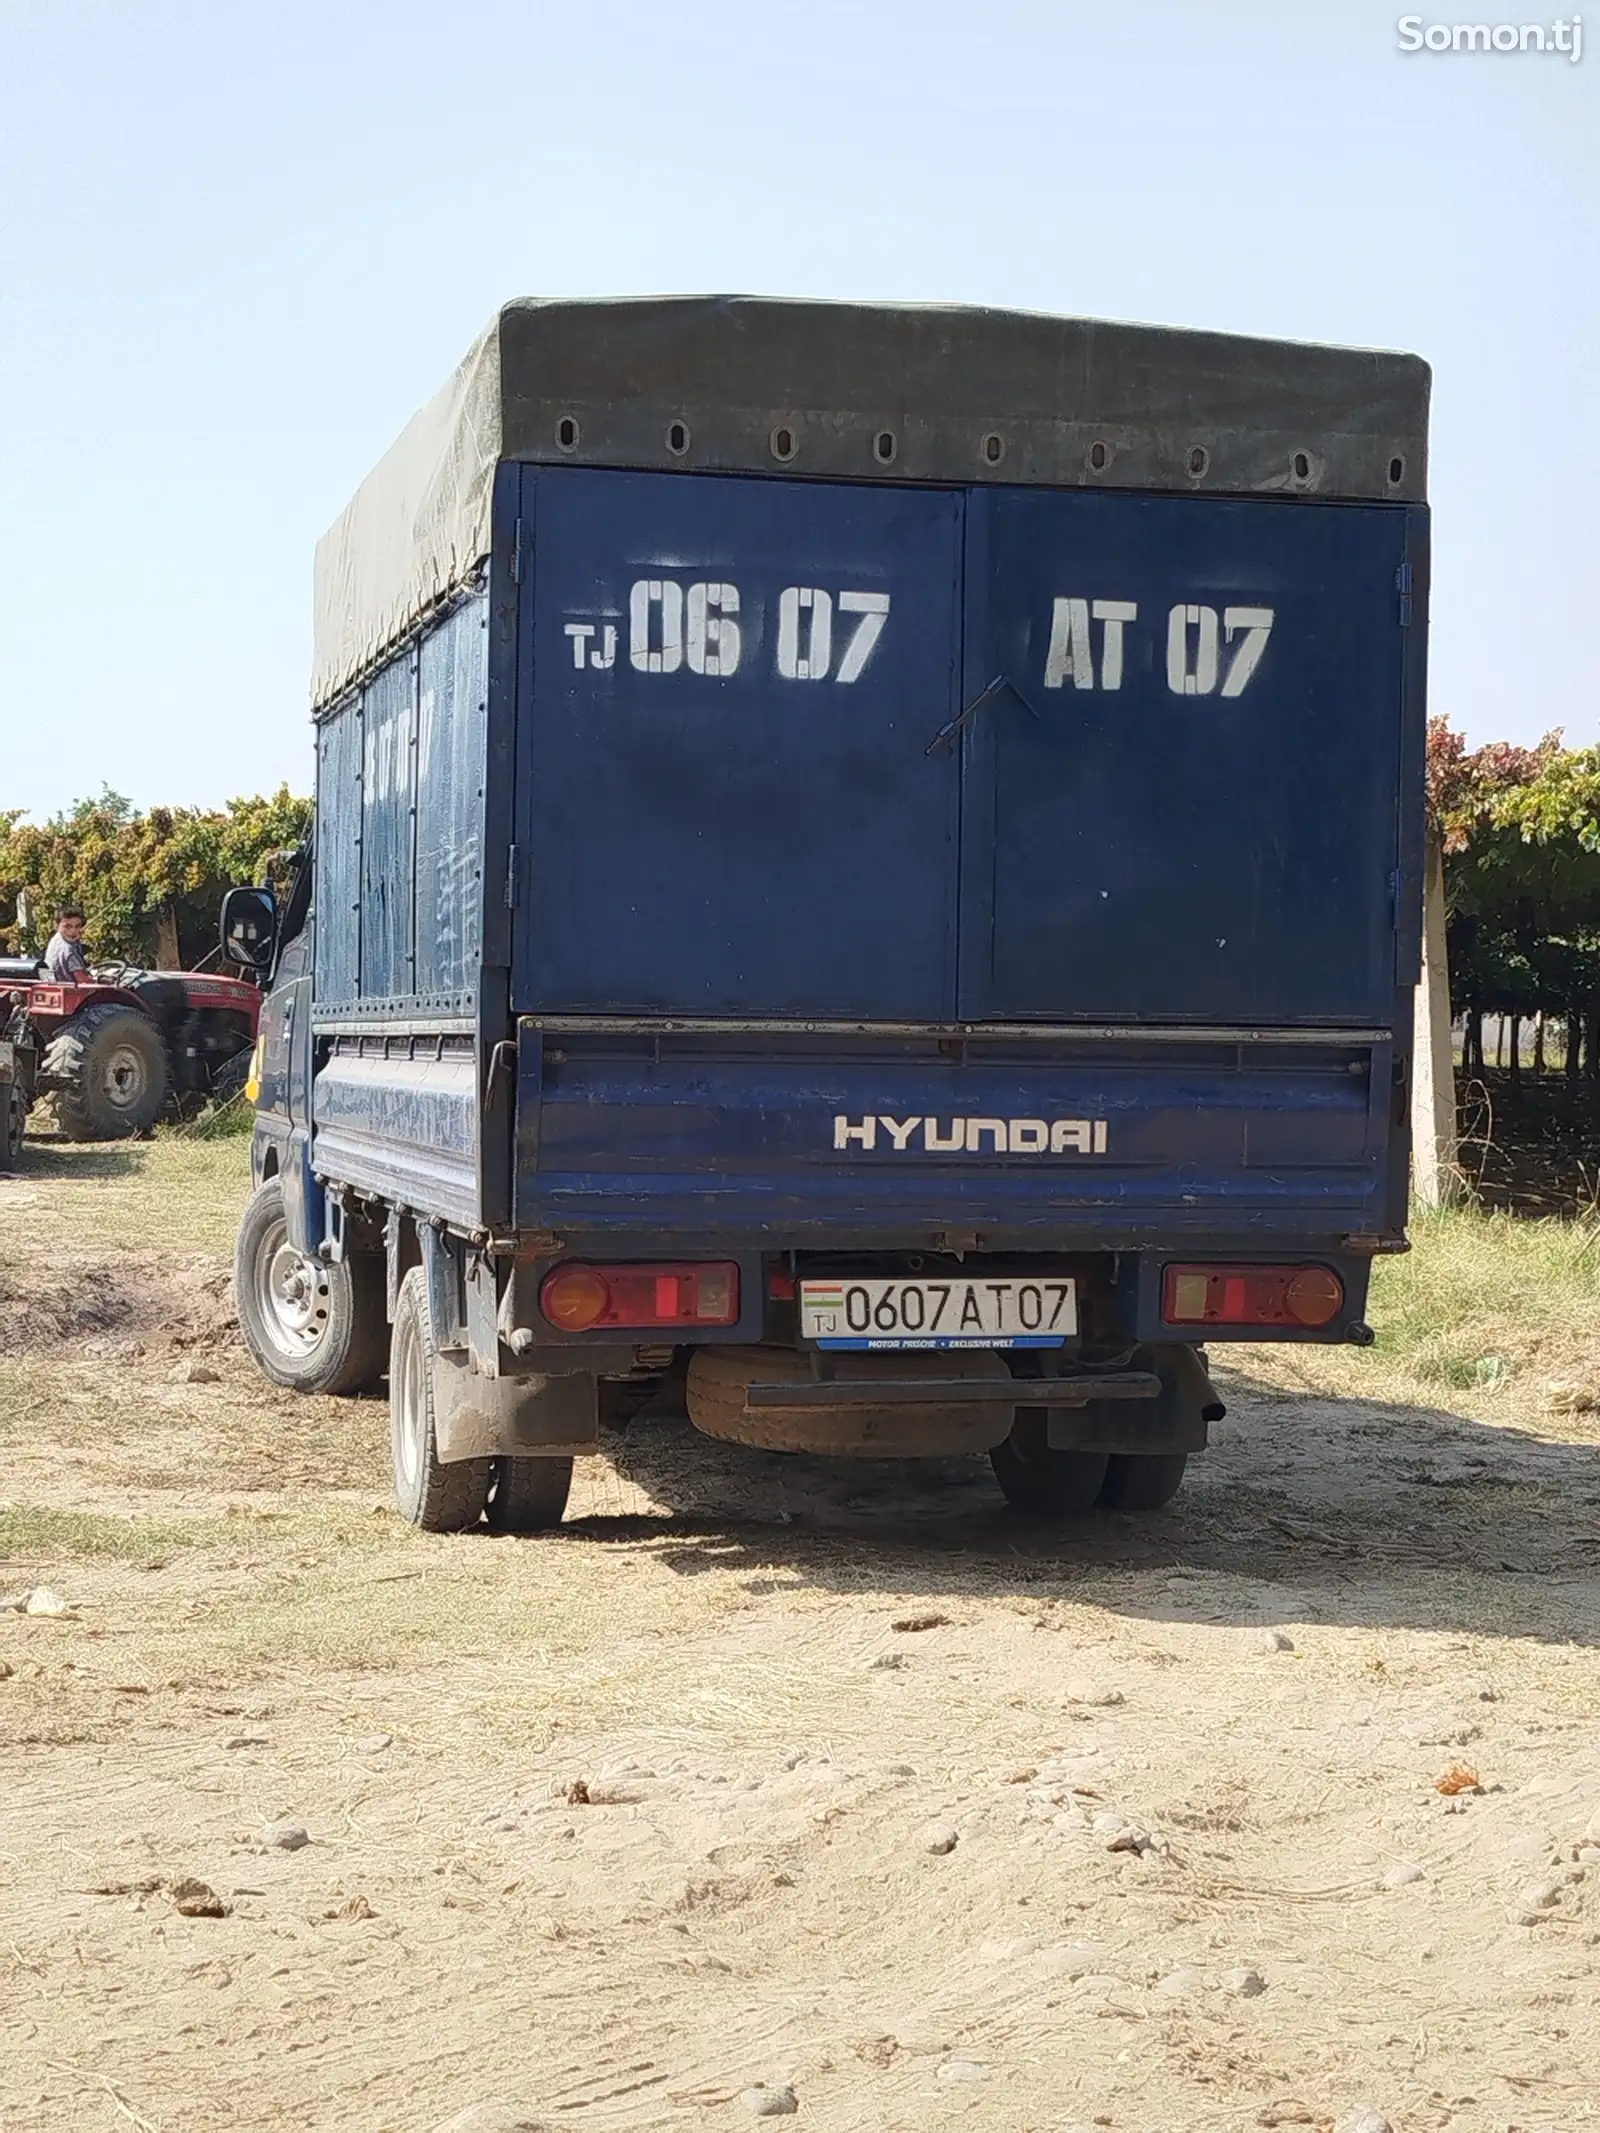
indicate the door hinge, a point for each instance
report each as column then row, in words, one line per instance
column 1402, row 585
column 513, row 870
column 517, row 544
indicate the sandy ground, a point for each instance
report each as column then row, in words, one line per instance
column 766, row 1772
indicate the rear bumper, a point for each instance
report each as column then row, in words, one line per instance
column 960, row 1392
column 1161, row 1409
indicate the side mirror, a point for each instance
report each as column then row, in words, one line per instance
column 249, row 927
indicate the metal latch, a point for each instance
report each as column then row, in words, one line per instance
column 997, row 687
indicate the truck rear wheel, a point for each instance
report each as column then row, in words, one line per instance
column 439, row 1498
column 528, row 1495
column 309, row 1325
column 1143, row 1481
column 1038, row 1479
column 107, row 1068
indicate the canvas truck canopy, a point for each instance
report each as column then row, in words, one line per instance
column 929, row 394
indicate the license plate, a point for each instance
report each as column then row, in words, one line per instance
column 989, row 1311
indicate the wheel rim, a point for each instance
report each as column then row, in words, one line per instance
column 406, row 1408
column 124, row 1077
column 293, row 1296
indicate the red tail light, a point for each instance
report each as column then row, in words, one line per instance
column 578, row 1298
column 1293, row 1296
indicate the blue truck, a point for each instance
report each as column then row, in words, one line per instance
column 867, row 872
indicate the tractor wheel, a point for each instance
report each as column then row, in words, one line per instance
column 108, row 1070
column 10, row 1127
column 309, row 1325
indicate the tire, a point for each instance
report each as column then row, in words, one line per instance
column 429, row 1494
column 715, row 1397
column 10, row 1127
column 1047, row 1483
column 1142, row 1481
column 310, row 1326
column 108, row 1069
column 528, row 1495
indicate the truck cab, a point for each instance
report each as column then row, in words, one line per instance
column 867, row 858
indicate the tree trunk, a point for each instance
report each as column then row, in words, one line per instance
column 1538, row 1042
column 1574, row 1039
column 1499, row 1042
column 169, row 956
column 1475, row 1037
column 1514, row 1050
column 1591, row 1042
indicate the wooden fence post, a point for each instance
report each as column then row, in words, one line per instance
column 1435, row 1172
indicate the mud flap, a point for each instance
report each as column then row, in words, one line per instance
column 475, row 1417
column 304, row 1208
column 1177, row 1421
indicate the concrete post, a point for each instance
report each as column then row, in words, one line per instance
column 1435, row 1172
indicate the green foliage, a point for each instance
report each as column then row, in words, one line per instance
column 1520, row 828
column 149, row 882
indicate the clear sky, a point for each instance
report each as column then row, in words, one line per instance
column 240, row 244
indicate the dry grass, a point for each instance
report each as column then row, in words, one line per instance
column 1488, row 1311
column 177, row 1192
column 31, row 1533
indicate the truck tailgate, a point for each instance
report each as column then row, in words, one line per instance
column 1087, row 1139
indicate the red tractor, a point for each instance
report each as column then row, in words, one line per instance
column 116, row 1050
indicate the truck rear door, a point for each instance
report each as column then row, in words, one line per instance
column 727, row 803
column 1181, row 790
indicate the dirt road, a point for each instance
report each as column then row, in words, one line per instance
column 764, row 1774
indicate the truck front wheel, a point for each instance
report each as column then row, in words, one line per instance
column 438, row 1497
column 309, row 1325
column 1048, row 1483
